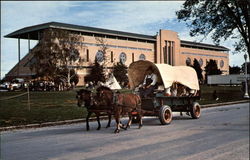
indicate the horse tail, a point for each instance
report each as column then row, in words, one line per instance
column 139, row 100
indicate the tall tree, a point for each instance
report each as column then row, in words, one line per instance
column 120, row 72
column 221, row 18
column 57, row 53
column 211, row 68
column 62, row 76
column 248, row 67
column 197, row 67
column 104, row 49
column 234, row 70
column 96, row 73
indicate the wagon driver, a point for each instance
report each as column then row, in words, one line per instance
column 149, row 83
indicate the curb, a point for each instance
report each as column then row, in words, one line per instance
column 224, row 103
column 47, row 124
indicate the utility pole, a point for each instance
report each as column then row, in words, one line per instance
column 246, row 85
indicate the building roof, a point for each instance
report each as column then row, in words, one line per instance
column 34, row 30
column 203, row 45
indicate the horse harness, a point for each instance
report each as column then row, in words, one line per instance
column 118, row 103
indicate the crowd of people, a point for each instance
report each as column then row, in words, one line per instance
column 36, row 85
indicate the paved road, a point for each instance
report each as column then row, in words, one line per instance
column 221, row 133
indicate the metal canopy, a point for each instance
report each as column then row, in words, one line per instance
column 203, row 45
column 33, row 31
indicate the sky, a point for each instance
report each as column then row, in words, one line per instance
column 143, row 17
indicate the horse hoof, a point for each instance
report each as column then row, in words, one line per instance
column 117, row 131
column 127, row 127
column 122, row 127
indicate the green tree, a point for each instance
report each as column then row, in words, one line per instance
column 234, row 70
column 211, row 68
column 63, row 76
column 197, row 67
column 120, row 73
column 99, row 70
column 74, row 77
column 96, row 73
column 104, row 49
column 221, row 18
column 57, row 52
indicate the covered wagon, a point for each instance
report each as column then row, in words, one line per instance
column 162, row 103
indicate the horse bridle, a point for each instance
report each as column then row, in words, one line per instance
column 87, row 103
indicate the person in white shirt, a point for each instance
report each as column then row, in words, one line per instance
column 149, row 83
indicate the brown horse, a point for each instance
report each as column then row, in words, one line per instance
column 127, row 104
column 90, row 102
column 122, row 104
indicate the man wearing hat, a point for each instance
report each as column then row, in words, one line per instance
column 149, row 83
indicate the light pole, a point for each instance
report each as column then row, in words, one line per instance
column 246, row 87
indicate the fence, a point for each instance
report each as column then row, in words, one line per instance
column 19, row 95
column 36, row 107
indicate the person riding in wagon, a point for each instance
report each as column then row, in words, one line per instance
column 149, row 83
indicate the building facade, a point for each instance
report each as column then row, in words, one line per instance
column 164, row 47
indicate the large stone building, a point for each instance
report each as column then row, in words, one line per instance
column 164, row 47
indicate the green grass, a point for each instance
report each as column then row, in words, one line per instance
column 224, row 93
column 44, row 107
column 58, row 106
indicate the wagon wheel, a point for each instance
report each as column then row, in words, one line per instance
column 195, row 110
column 165, row 115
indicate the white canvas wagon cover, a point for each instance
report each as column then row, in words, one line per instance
column 166, row 74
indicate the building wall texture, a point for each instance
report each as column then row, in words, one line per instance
column 167, row 48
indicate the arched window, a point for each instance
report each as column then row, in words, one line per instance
column 221, row 64
column 142, row 57
column 188, row 61
column 99, row 56
column 123, row 57
column 201, row 62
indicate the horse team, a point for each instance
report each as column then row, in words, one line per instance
column 111, row 103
